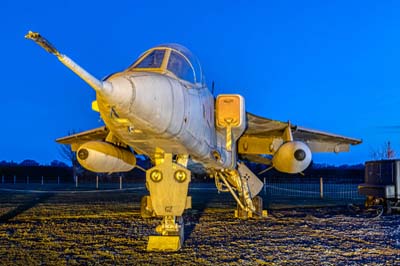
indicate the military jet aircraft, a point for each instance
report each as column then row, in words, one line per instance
column 160, row 107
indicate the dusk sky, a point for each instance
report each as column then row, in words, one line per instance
column 326, row 65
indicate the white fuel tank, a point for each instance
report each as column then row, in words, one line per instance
column 292, row 157
column 103, row 157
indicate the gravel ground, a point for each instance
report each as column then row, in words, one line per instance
column 106, row 228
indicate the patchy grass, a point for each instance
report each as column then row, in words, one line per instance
column 106, row 228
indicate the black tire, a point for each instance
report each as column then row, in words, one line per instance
column 241, row 214
column 145, row 210
column 258, row 204
column 369, row 201
column 388, row 207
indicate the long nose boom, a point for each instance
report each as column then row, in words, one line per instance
column 102, row 87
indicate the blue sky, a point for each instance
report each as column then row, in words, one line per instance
column 326, row 65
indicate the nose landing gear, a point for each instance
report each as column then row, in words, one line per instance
column 168, row 184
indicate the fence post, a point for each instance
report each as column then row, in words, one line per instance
column 58, row 180
column 27, row 179
column 42, row 180
column 76, row 181
column 15, row 180
column 97, row 182
column 120, row 182
column 265, row 186
column 2, row 179
column 321, row 187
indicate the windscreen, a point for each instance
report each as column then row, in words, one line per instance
column 178, row 65
column 152, row 60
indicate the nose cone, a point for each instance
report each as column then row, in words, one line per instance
column 120, row 93
column 148, row 100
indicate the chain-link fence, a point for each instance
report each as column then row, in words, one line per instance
column 275, row 188
column 312, row 188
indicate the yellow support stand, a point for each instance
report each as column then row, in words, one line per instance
column 164, row 243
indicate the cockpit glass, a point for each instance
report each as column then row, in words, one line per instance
column 181, row 63
column 178, row 65
column 152, row 60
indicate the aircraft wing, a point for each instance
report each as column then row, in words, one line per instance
column 263, row 135
column 78, row 139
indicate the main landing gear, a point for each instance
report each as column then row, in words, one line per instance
column 244, row 187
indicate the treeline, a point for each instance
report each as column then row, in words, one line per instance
column 57, row 170
column 33, row 170
column 35, row 173
column 330, row 173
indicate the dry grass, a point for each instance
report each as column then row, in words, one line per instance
column 106, row 228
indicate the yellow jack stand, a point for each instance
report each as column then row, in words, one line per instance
column 164, row 243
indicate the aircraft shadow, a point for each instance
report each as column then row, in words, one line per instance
column 200, row 202
column 24, row 207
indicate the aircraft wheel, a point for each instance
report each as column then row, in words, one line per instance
column 369, row 201
column 388, row 207
column 258, row 213
column 146, row 210
column 258, row 204
column 240, row 213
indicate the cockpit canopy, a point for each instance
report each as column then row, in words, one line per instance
column 171, row 59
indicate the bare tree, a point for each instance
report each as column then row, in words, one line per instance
column 384, row 153
column 69, row 155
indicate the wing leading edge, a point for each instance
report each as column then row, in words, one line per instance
column 264, row 136
column 78, row 139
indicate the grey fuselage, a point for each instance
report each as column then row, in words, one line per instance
column 150, row 111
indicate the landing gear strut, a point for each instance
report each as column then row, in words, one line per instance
column 244, row 187
column 168, row 184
